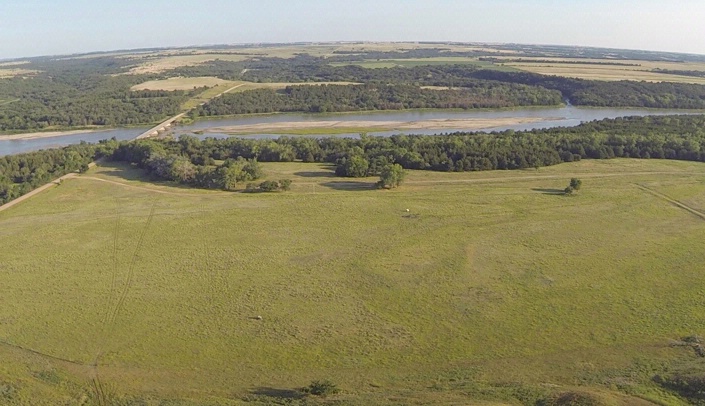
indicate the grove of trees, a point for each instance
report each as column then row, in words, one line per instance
column 232, row 162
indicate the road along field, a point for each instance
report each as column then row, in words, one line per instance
column 457, row 288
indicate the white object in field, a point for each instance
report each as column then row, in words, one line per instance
column 407, row 210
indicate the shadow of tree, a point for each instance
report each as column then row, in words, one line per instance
column 344, row 185
column 316, row 174
column 549, row 191
column 277, row 393
column 123, row 171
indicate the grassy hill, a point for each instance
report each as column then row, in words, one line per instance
column 492, row 289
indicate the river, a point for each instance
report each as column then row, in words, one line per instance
column 564, row 116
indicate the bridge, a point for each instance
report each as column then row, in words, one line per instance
column 163, row 126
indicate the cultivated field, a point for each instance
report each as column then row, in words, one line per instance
column 408, row 63
column 12, row 72
column 641, row 70
column 182, row 83
column 493, row 288
column 149, row 64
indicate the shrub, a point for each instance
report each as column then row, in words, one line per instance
column 576, row 183
column 269, row 186
column 321, row 388
column 285, row 184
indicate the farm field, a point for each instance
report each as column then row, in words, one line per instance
column 409, row 63
column 182, row 83
column 146, row 64
column 608, row 73
column 493, row 288
column 642, row 70
column 12, row 72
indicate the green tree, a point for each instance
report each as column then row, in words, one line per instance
column 576, row 183
column 269, row 186
column 355, row 166
column 392, row 176
column 321, row 388
column 285, row 184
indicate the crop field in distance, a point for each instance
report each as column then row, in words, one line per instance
column 456, row 288
column 182, row 83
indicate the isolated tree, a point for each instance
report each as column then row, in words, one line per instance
column 391, row 176
column 568, row 190
column 285, row 184
column 575, row 183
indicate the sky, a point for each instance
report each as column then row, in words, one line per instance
column 57, row 27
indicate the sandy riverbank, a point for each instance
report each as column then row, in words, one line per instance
column 45, row 134
column 436, row 124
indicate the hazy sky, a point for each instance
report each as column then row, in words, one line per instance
column 41, row 27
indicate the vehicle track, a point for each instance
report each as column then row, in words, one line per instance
column 146, row 189
column 114, row 311
column 131, row 270
column 41, row 354
column 113, row 277
column 674, row 202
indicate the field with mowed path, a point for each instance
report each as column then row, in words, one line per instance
column 456, row 288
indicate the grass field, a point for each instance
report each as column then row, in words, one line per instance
column 182, row 83
column 492, row 289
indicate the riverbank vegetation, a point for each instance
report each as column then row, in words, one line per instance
column 20, row 174
column 337, row 98
column 231, row 163
column 662, row 137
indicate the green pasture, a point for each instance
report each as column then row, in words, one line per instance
column 457, row 288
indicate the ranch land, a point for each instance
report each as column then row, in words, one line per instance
column 456, row 288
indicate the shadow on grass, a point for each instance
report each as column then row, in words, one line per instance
column 127, row 172
column 278, row 393
column 316, row 174
column 124, row 171
column 549, row 191
column 350, row 185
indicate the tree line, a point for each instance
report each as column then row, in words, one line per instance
column 69, row 101
column 665, row 137
column 336, row 98
column 20, row 174
column 232, row 163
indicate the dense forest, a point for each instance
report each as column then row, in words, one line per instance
column 95, row 91
column 663, row 137
column 21, row 173
column 609, row 94
column 230, row 163
column 580, row 92
column 335, row 98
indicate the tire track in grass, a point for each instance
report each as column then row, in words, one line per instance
column 674, row 202
column 41, row 354
column 99, row 391
column 113, row 277
column 109, row 324
column 131, row 270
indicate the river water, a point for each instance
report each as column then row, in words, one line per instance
column 555, row 117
